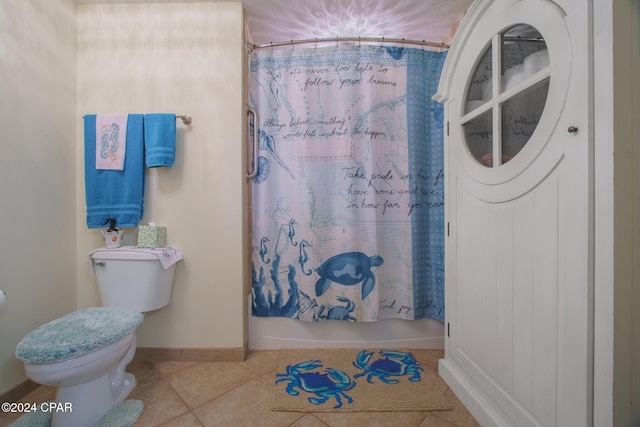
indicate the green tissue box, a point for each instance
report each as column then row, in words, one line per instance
column 152, row 236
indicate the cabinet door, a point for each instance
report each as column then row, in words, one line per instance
column 516, row 91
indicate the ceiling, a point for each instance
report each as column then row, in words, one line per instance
column 284, row 20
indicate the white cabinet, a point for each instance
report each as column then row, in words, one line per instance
column 518, row 206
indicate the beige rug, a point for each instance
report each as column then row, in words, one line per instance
column 354, row 381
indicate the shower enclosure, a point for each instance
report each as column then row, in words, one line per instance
column 347, row 197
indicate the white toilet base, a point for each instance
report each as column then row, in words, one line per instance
column 88, row 401
column 83, row 404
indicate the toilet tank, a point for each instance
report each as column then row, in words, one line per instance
column 132, row 279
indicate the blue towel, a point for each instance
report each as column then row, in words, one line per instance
column 159, row 139
column 110, row 193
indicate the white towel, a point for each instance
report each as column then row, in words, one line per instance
column 167, row 255
column 111, row 141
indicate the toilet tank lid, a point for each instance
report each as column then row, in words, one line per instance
column 123, row 253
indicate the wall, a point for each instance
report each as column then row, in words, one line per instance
column 617, row 212
column 626, row 95
column 37, row 170
column 185, row 58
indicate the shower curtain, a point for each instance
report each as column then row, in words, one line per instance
column 348, row 201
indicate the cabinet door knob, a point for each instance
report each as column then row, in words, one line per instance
column 572, row 129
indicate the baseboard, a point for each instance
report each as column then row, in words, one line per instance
column 160, row 354
column 474, row 399
column 19, row 391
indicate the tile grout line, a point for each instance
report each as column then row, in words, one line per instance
column 189, row 408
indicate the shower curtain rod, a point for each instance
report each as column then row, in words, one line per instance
column 251, row 46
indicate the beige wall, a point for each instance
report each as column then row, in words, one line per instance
column 185, row 58
column 617, row 212
column 626, row 213
column 59, row 61
column 37, row 170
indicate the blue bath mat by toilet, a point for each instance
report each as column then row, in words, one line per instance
column 354, row 381
column 124, row 414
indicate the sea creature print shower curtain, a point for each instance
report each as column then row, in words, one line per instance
column 348, row 202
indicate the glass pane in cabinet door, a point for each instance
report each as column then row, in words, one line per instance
column 520, row 116
column 479, row 136
column 480, row 86
column 524, row 53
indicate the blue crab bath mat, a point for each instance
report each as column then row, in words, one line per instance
column 354, row 381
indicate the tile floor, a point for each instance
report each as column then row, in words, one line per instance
column 239, row 394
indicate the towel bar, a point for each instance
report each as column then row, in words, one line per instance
column 185, row 119
column 254, row 144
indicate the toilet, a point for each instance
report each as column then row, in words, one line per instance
column 84, row 354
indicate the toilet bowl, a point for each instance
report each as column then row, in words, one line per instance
column 84, row 354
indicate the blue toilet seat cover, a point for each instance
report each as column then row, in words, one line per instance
column 77, row 333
